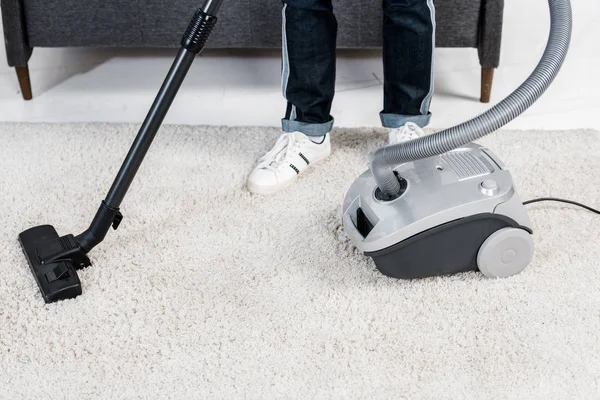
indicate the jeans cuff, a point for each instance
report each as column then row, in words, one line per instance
column 398, row 120
column 309, row 129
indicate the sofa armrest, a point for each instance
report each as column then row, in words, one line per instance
column 18, row 50
column 490, row 33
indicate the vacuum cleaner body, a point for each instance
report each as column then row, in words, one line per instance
column 458, row 211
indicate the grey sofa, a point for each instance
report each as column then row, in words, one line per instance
column 242, row 24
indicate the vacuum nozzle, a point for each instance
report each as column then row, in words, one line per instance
column 53, row 260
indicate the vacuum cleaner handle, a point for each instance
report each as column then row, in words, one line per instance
column 211, row 7
column 192, row 43
column 53, row 259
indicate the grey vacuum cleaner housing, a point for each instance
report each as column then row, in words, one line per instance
column 442, row 204
column 458, row 211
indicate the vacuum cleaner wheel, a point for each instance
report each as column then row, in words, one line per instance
column 506, row 252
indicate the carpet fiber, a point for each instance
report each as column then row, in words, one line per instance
column 207, row 291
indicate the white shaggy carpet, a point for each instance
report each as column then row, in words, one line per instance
column 207, row 291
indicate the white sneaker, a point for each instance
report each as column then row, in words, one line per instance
column 409, row 131
column 292, row 154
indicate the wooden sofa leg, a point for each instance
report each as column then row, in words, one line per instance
column 24, row 82
column 487, row 77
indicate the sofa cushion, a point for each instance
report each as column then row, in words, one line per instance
column 62, row 23
column 242, row 23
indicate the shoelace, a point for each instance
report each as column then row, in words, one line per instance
column 273, row 158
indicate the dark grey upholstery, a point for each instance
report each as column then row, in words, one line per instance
column 18, row 50
column 242, row 24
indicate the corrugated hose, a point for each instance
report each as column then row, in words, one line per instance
column 384, row 159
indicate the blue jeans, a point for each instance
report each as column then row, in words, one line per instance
column 309, row 57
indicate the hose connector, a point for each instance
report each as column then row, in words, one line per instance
column 198, row 31
column 384, row 174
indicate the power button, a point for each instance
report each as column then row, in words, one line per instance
column 489, row 187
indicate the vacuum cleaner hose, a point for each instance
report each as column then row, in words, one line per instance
column 501, row 114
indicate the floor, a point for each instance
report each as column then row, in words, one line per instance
column 206, row 292
column 243, row 88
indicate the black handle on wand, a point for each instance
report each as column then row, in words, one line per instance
column 192, row 43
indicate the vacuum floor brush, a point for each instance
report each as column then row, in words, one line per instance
column 441, row 204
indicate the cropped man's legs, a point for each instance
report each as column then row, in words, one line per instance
column 309, row 31
column 308, row 73
column 408, row 50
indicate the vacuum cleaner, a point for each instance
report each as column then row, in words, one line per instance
column 53, row 259
column 435, row 205
column 441, row 204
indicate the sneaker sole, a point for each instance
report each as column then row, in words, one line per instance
column 266, row 190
